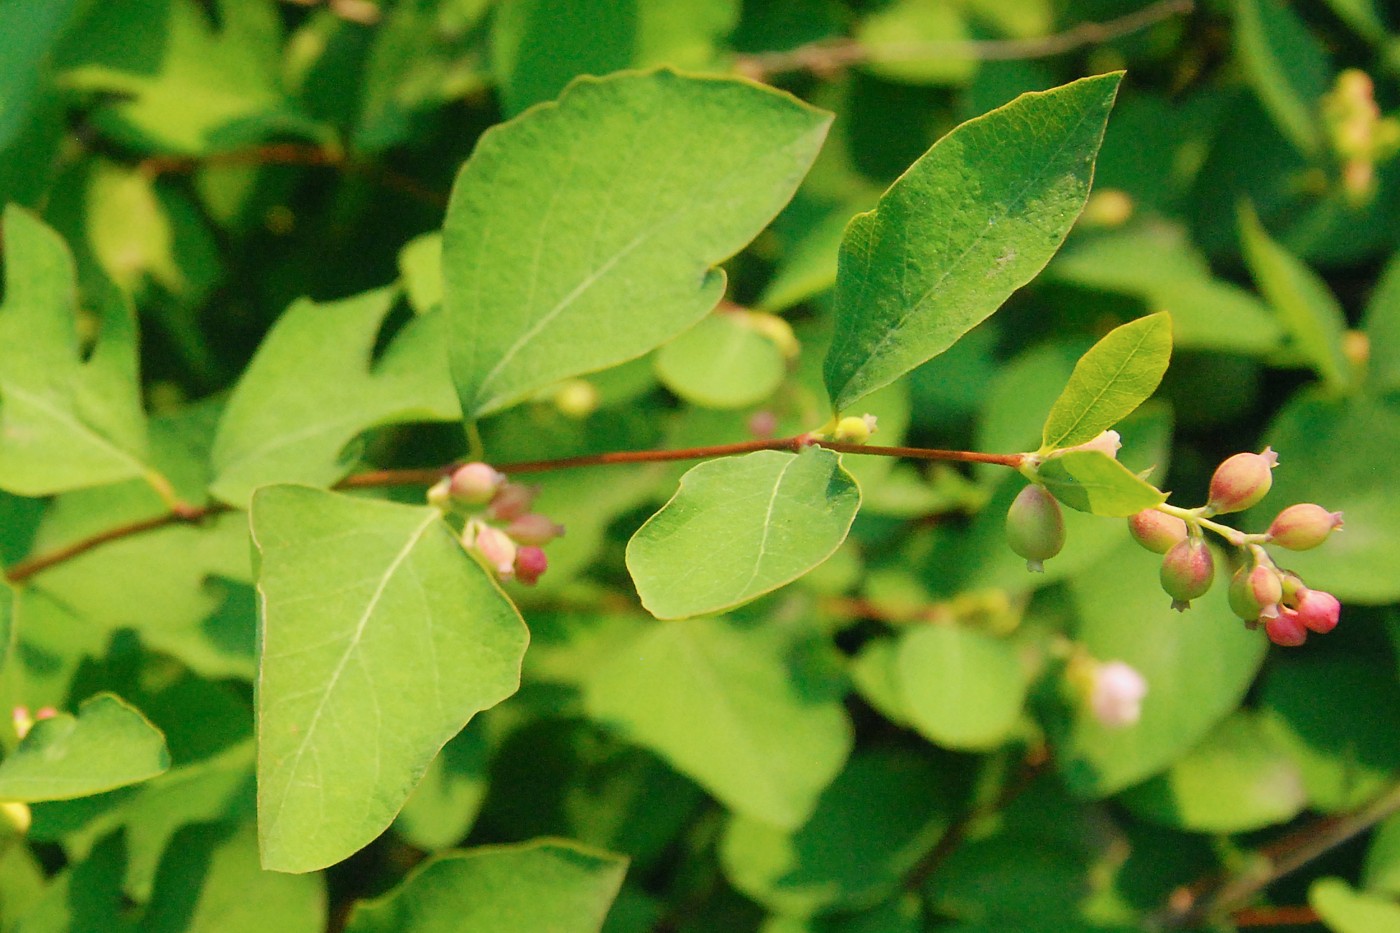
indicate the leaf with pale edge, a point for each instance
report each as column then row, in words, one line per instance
column 380, row 638
column 740, row 527
column 546, row 884
column 1091, row 481
column 584, row 233
column 65, row 422
column 1117, row 375
column 107, row 745
column 974, row 219
column 1347, row 910
column 310, row 391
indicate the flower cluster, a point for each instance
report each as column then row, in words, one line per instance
column 1260, row 592
column 500, row 529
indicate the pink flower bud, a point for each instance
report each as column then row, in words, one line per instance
column 1107, row 442
column 1157, row 531
column 496, row 548
column 475, row 483
column 1255, row 592
column 1303, row 526
column 1116, row 695
column 512, row 501
column 763, row 424
column 534, row 529
column 1035, row 528
column 1318, row 610
column 530, row 563
column 1241, row 481
column 1286, row 629
column 1187, row 572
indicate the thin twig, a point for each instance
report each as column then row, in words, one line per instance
column 829, row 56
column 1273, row 916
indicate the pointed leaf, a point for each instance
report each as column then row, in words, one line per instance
column 380, row 639
column 1117, row 375
column 585, row 233
column 728, row 708
column 107, row 745
column 65, row 423
column 547, row 884
column 740, row 527
column 1091, row 481
column 969, row 223
column 310, row 391
column 962, row 688
column 1287, row 66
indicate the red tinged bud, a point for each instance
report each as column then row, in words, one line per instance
column 530, row 564
column 1318, row 610
column 1255, row 592
column 1303, row 526
column 475, row 483
column 1157, row 531
column 512, row 501
column 1187, row 572
column 1286, row 629
column 1241, row 481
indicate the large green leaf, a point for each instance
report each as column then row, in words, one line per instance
column 30, row 28
column 67, row 419
column 585, row 233
column 740, row 527
column 1314, row 320
column 108, row 744
column 1092, row 481
column 311, row 390
column 1117, row 375
column 969, row 223
column 1287, row 66
column 1346, row 910
column 1382, row 327
column 962, row 688
column 735, row 709
column 1197, row 665
column 380, row 639
column 531, row 887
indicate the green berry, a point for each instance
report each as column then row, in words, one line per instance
column 1035, row 528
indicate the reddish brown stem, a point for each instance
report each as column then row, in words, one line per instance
column 1274, row 916
column 23, row 570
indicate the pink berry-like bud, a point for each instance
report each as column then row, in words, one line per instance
column 1318, row 610
column 1241, row 481
column 1187, row 572
column 1303, row 526
column 530, row 563
column 1157, row 531
column 763, row 424
column 475, row 483
column 512, row 501
column 534, row 529
column 1116, row 695
column 496, row 548
column 1255, row 592
column 1286, row 629
column 1035, row 528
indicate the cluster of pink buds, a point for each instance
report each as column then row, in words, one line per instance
column 500, row 528
column 1260, row 592
column 23, row 721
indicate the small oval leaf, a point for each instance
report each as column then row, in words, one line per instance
column 741, row 527
column 1091, row 481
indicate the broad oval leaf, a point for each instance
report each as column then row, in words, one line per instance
column 585, row 233
column 969, row 223
column 743, row 712
column 962, row 688
column 740, row 527
column 1091, row 481
column 109, row 744
column 547, row 884
column 1347, row 910
column 380, row 638
column 67, row 420
column 722, row 362
column 1109, row 382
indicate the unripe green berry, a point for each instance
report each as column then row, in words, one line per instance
column 852, row 430
column 1303, row 526
column 1187, row 572
column 1255, row 592
column 1035, row 527
column 1241, row 481
column 1157, row 531
column 474, row 483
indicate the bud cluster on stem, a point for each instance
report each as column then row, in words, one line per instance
column 499, row 528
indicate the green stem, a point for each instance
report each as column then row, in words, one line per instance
column 1196, row 517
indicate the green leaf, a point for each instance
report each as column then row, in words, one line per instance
column 894, row 34
column 31, row 29
column 1382, row 327
column 731, row 708
column 1238, row 779
column 66, row 420
column 311, row 390
column 722, row 362
column 1381, row 872
column 380, row 638
column 1197, row 665
column 962, row 688
column 1092, row 481
column 210, row 882
column 1117, row 375
column 86, row 895
column 7, row 614
column 870, row 827
column 1287, row 66
column 585, row 233
column 108, row 744
column 1310, row 313
column 970, row 222
column 1346, row 910
column 740, row 527
column 444, row 804
column 546, row 884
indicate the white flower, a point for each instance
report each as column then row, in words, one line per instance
column 1115, row 698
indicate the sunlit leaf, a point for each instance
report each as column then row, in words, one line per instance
column 1092, row 481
